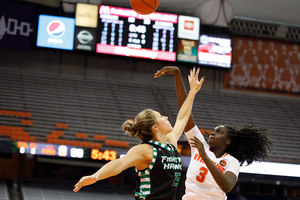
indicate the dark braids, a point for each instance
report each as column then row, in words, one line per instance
column 248, row 143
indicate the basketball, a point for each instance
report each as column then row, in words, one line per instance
column 144, row 7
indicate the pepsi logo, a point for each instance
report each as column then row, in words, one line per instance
column 189, row 25
column 56, row 29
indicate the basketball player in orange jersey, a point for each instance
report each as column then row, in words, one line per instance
column 156, row 160
column 214, row 167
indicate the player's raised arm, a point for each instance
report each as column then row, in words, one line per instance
column 181, row 93
column 186, row 108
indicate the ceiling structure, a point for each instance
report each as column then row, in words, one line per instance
column 279, row 11
column 273, row 19
column 273, row 11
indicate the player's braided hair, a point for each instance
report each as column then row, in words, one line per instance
column 248, row 143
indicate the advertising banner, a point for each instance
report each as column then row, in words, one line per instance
column 55, row 32
column 188, row 27
column 187, row 51
column 215, row 51
column 85, row 39
column 86, row 15
column 264, row 65
column 16, row 25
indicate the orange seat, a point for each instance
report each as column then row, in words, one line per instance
column 126, row 144
column 29, row 114
column 19, row 114
column 83, row 144
column 95, row 145
column 32, row 139
column 13, row 137
column 50, row 140
column 89, row 144
column 76, row 143
column 62, row 126
column 25, row 133
column 57, row 141
column 66, row 142
column 77, row 135
column 108, row 142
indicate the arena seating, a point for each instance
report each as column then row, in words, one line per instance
column 3, row 191
column 54, row 190
column 92, row 107
column 279, row 115
column 61, row 109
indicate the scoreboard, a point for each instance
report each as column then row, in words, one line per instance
column 127, row 33
column 121, row 31
column 55, row 150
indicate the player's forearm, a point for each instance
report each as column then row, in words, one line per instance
column 186, row 108
column 219, row 176
column 110, row 169
column 181, row 95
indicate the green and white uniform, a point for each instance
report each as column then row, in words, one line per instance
column 160, row 180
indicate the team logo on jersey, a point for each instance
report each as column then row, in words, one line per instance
column 223, row 163
column 56, row 29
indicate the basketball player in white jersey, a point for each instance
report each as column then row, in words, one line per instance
column 214, row 167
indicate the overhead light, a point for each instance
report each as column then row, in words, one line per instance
column 215, row 12
column 68, row 7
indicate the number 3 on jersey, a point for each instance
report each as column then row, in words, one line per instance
column 202, row 174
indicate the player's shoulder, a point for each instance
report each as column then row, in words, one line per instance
column 143, row 146
column 231, row 159
column 143, row 149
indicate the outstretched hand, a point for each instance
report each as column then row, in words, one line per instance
column 195, row 142
column 193, row 79
column 166, row 70
column 84, row 181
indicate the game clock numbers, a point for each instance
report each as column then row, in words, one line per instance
column 106, row 155
column 124, row 32
column 46, row 149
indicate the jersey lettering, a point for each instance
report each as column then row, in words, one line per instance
column 198, row 158
column 202, row 174
column 176, row 179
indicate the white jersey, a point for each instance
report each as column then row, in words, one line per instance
column 199, row 183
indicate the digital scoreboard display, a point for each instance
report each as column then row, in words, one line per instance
column 50, row 149
column 63, row 151
column 127, row 33
column 215, row 51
